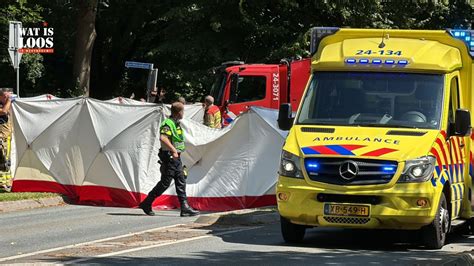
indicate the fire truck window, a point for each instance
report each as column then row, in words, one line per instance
column 251, row 88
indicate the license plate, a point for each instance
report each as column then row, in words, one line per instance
column 346, row 210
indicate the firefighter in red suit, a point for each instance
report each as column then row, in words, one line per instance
column 212, row 114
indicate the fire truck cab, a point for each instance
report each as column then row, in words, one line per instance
column 238, row 86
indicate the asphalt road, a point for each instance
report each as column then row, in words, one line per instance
column 202, row 244
column 264, row 245
column 44, row 228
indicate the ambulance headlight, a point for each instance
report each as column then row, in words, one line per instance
column 418, row 170
column 290, row 165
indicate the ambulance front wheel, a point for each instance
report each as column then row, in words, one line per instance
column 434, row 235
column 470, row 226
column 292, row 233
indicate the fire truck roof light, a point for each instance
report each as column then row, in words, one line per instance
column 402, row 62
column 364, row 61
column 376, row 61
column 389, row 62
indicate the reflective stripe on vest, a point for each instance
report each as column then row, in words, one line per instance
column 176, row 139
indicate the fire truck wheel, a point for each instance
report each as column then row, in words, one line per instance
column 292, row 233
column 434, row 235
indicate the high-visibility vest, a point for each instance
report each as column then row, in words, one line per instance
column 177, row 136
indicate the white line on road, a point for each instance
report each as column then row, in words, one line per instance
column 84, row 243
column 158, row 245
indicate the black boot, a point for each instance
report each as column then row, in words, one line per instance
column 145, row 205
column 186, row 210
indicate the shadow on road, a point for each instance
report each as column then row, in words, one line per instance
column 263, row 244
column 127, row 214
column 290, row 257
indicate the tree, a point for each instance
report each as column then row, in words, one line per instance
column 31, row 65
column 85, row 37
column 185, row 39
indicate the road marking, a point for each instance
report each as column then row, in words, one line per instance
column 85, row 243
column 158, row 245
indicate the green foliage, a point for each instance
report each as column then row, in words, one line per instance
column 33, row 65
column 185, row 39
column 28, row 13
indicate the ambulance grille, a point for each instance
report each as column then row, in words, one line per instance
column 406, row 133
column 370, row 172
column 346, row 220
column 318, row 129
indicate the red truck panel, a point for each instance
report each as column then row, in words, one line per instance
column 276, row 86
column 300, row 71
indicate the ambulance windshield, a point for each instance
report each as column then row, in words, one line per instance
column 398, row 100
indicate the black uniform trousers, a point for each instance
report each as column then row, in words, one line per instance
column 170, row 169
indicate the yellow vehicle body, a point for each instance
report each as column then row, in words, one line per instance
column 318, row 200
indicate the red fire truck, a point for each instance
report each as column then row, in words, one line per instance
column 238, row 86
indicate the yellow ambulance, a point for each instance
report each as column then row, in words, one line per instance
column 381, row 138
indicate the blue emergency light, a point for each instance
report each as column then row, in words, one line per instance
column 389, row 169
column 465, row 36
column 311, row 165
column 365, row 61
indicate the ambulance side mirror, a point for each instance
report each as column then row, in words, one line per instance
column 462, row 124
column 285, row 119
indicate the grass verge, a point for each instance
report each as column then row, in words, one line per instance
column 14, row 196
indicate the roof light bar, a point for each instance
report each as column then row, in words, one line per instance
column 376, row 62
column 317, row 34
column 466, row 36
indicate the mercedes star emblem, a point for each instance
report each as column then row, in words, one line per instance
column 348, row 170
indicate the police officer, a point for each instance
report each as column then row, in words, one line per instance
column 172, row 145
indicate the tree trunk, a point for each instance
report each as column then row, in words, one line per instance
column 85, row 37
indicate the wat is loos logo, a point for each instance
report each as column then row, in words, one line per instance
column 36, row 40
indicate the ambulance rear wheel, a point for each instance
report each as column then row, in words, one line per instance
column 292, row 233
column 434, row 235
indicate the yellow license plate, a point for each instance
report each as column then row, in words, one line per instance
column 346, row 210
